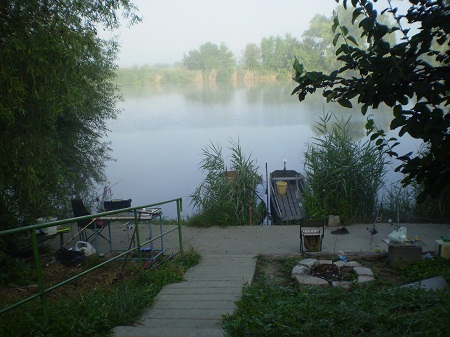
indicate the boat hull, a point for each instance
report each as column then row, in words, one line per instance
column 286, row 208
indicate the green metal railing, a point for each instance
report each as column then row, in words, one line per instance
column 42, row 291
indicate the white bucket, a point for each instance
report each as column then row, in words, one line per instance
column 49, row 230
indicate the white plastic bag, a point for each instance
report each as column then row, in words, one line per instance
column 85, row 247
column 398, row 235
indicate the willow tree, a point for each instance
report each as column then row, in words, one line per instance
column 55, row 98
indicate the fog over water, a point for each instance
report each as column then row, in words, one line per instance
column 171, row 28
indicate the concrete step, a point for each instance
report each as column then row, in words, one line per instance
column 168, row 332
column 199, row 297
column 201, row 288
column 186, row 313
column 180, row 323
column 167, row 304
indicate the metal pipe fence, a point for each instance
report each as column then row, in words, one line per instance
column 42, row 291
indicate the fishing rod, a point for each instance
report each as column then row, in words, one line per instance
column 267, row 195
column 373, row 230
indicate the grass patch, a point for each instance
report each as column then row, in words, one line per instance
column 94, row 304
column 274, row 306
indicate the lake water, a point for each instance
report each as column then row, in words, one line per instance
column 158, row 138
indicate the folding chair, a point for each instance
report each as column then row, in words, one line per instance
column 312, row 231
column 94, row 225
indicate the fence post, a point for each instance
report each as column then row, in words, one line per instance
column 37, row 263
column 180, row 236
column 138, row 239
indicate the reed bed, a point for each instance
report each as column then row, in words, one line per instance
column 343, row 176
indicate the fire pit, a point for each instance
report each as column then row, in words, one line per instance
column 326, row 273
column 331, row 272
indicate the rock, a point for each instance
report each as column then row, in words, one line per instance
column 352, row 264
column 434, row 283
column 365, row 278
column 300, row 270
column 307, row 280
column 310, row 263
column 340, row 264
column 363, row 271
column 325, row 262
column 343, row 284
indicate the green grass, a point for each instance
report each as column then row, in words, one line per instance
column 371, row 309
column 97, row 311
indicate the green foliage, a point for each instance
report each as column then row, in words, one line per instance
column 343, row 176
column 56, row 96
column 399, row 203
column 97, row 312
column 425, row 269
column 267, row 309
column 211, row 58
column 13, row 270
column 252, row 56
column 319, row 42
column 227, row 196
column 278, row 53
column 395, row 74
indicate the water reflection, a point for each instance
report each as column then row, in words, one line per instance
column 158, row 138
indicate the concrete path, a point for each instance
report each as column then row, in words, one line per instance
column 195, row 306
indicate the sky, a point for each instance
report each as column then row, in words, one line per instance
column 171, row 28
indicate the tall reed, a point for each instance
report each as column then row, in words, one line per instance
column 343, row 176
column 227, row 194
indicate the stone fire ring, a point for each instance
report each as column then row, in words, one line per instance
column 301, row 273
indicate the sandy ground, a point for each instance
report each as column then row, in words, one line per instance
column 264, row 239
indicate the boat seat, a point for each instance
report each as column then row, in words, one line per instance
column 312, row 231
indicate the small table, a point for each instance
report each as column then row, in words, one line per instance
column 145, row 215
column 59, row 232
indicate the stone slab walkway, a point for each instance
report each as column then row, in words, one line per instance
column 195, row 306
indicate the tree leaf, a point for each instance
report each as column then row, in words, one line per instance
column 397, row 122
column 336, row 38
column 344, row 30
column 352, row 39
column 364, row 108
column 357, row 12
column 298, row 67
column 345, row 103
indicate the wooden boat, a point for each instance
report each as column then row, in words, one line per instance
column 286, row 196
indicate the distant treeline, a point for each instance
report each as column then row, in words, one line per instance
column 147, row 75
column 271, row 59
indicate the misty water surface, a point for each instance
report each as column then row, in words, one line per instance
column 158, row 139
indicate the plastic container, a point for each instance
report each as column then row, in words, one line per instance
column 281, row 187
column 85, row 247
column 49, row 230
